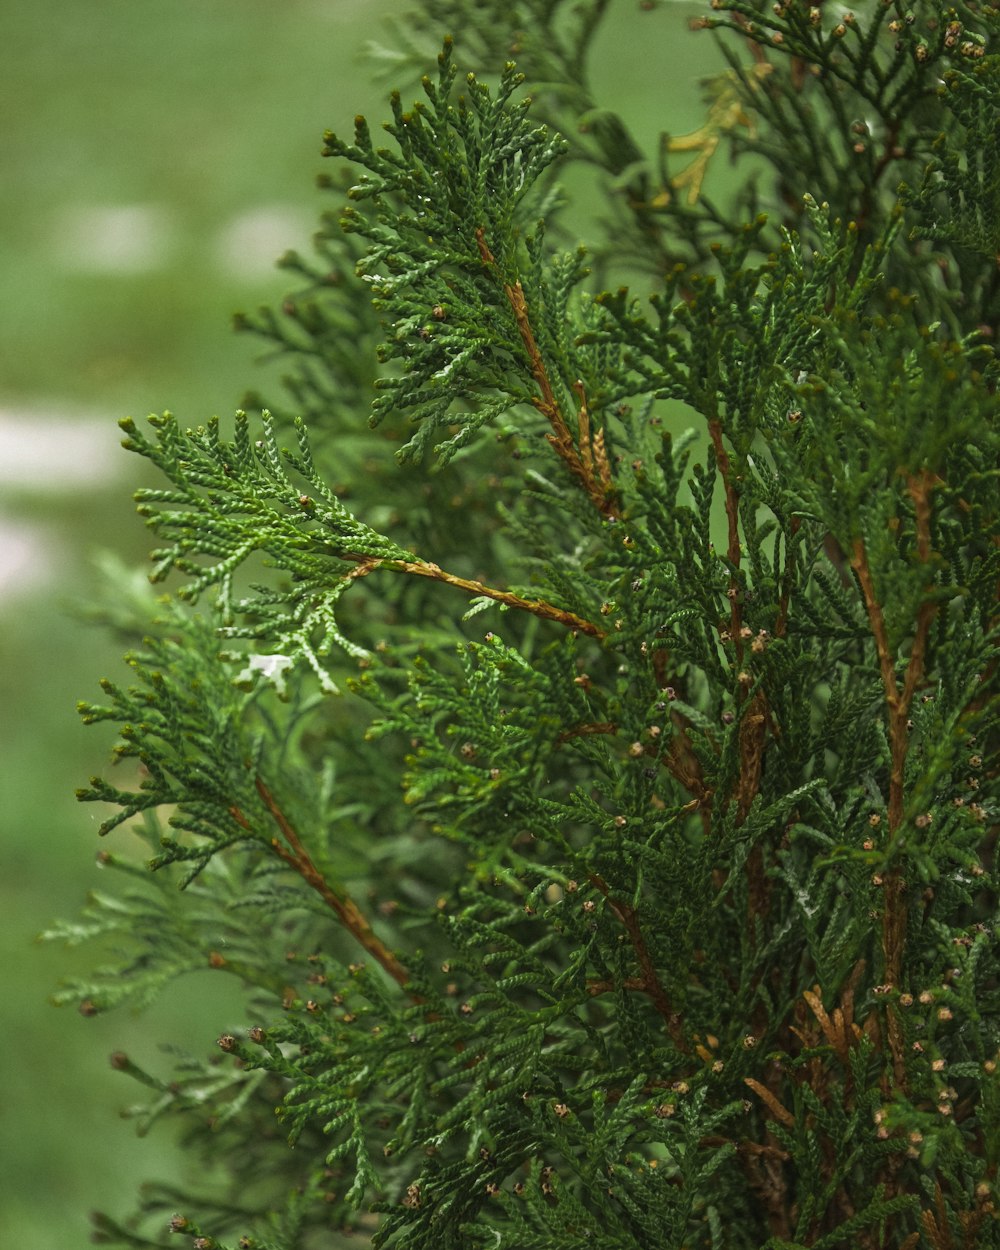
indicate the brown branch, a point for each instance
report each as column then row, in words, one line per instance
column 596, row 988
column 754, row 1148
column 425, row 568
column 679, row 758
column 681, row 762
column 752, row 739
column 294, row 854
column 651, row 983
column 754, row 724
column 876, row 620
column 898, row 702
column 537, row 607
column 588, row 729
column 591, row 454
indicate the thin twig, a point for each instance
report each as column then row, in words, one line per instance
column 537, row 607
column 588, row 729
column 681, row 762
column 596, row 988
column 876, row 620
column 752, row 742
column 294, row 854
column 651, row 983
column 754, row 724
column 425, row 568
column 898, row 702
column 591, row 454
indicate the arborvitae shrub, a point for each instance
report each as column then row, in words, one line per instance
column 600, row 820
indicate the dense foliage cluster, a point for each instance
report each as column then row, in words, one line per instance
column 601, row 819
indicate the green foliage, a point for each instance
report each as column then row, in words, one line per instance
column 604, row 838
column 456, row 184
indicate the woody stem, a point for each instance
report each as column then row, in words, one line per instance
column 290, row 850
column 581, row 464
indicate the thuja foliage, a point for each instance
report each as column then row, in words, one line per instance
column 600, row 819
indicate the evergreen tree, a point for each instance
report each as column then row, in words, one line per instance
column 600, row 822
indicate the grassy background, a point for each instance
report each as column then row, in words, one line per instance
column 157, row 157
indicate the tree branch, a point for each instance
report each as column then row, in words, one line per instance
column 537, row 607
column 650, row 982
column 898, row 702
column 589, row 465
column 294, row 854
column 425, row 568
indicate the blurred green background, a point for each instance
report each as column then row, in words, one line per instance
column 157, row 156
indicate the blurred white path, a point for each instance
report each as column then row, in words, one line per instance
column 41, row 455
